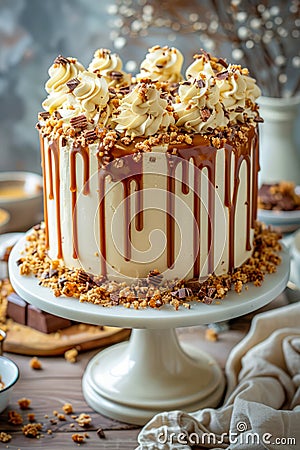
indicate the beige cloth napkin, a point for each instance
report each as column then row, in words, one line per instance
column 262, row 403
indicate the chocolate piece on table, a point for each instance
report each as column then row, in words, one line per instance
column 21, row 312
column 45, row 322
column 17, row 308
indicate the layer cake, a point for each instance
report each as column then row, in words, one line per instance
column 150, row 172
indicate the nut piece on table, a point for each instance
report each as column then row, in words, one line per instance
column 35, row 363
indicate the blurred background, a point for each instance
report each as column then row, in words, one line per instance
column 262, row 35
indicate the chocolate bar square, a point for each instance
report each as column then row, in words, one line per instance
column 17, row 308
column 45, row 322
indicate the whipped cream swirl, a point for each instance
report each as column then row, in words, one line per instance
column 144, row 112
column 109, row 65
column 91, row 92
column 214, row 95
column 162, row 64
column 199, row 108
column 238, row 92
column 61, row 71
column 201, row 65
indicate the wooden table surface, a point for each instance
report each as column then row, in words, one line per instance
column 59, row 382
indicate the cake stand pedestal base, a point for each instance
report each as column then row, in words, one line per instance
column 152, row 373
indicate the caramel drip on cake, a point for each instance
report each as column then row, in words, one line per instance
column 185, row 178
column 137, row 179
column 232, row 206
column 196, row 229
column 248, row 243
column 203, row 156
column 84, row 153
column 126, row 167
column 130, row 170
column 139, row 218
column 102, row 174
column 241, row 154
column 42, row 146
column 170, row 212
column 53, row 155
column 255, row 170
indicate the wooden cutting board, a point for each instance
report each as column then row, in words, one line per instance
column 27, row 341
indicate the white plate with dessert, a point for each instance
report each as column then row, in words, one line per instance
column 281, row 200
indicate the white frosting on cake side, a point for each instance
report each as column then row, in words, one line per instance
column 148, row 247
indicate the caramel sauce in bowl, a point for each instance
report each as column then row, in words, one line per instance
column 21, row 197
column 4, row 219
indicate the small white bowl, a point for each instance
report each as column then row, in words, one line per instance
column 9, row 373
column 4, row 219
column 21, row 194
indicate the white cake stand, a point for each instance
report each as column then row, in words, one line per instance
column 151, row 373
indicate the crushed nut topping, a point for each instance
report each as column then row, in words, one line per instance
column 35, row 363
column 4, row 437
column 67, row 408
column 24, row 403
column 31, row 417
column 71, row 355
column 14, row 418
column 78, row 438
column 32, row 430
column 84, row 420
column 153, row 291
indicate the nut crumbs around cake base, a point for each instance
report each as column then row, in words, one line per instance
column 152, row 291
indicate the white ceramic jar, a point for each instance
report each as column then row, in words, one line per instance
column 279, row 157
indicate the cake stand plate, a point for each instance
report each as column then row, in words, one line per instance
column 152, row 372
